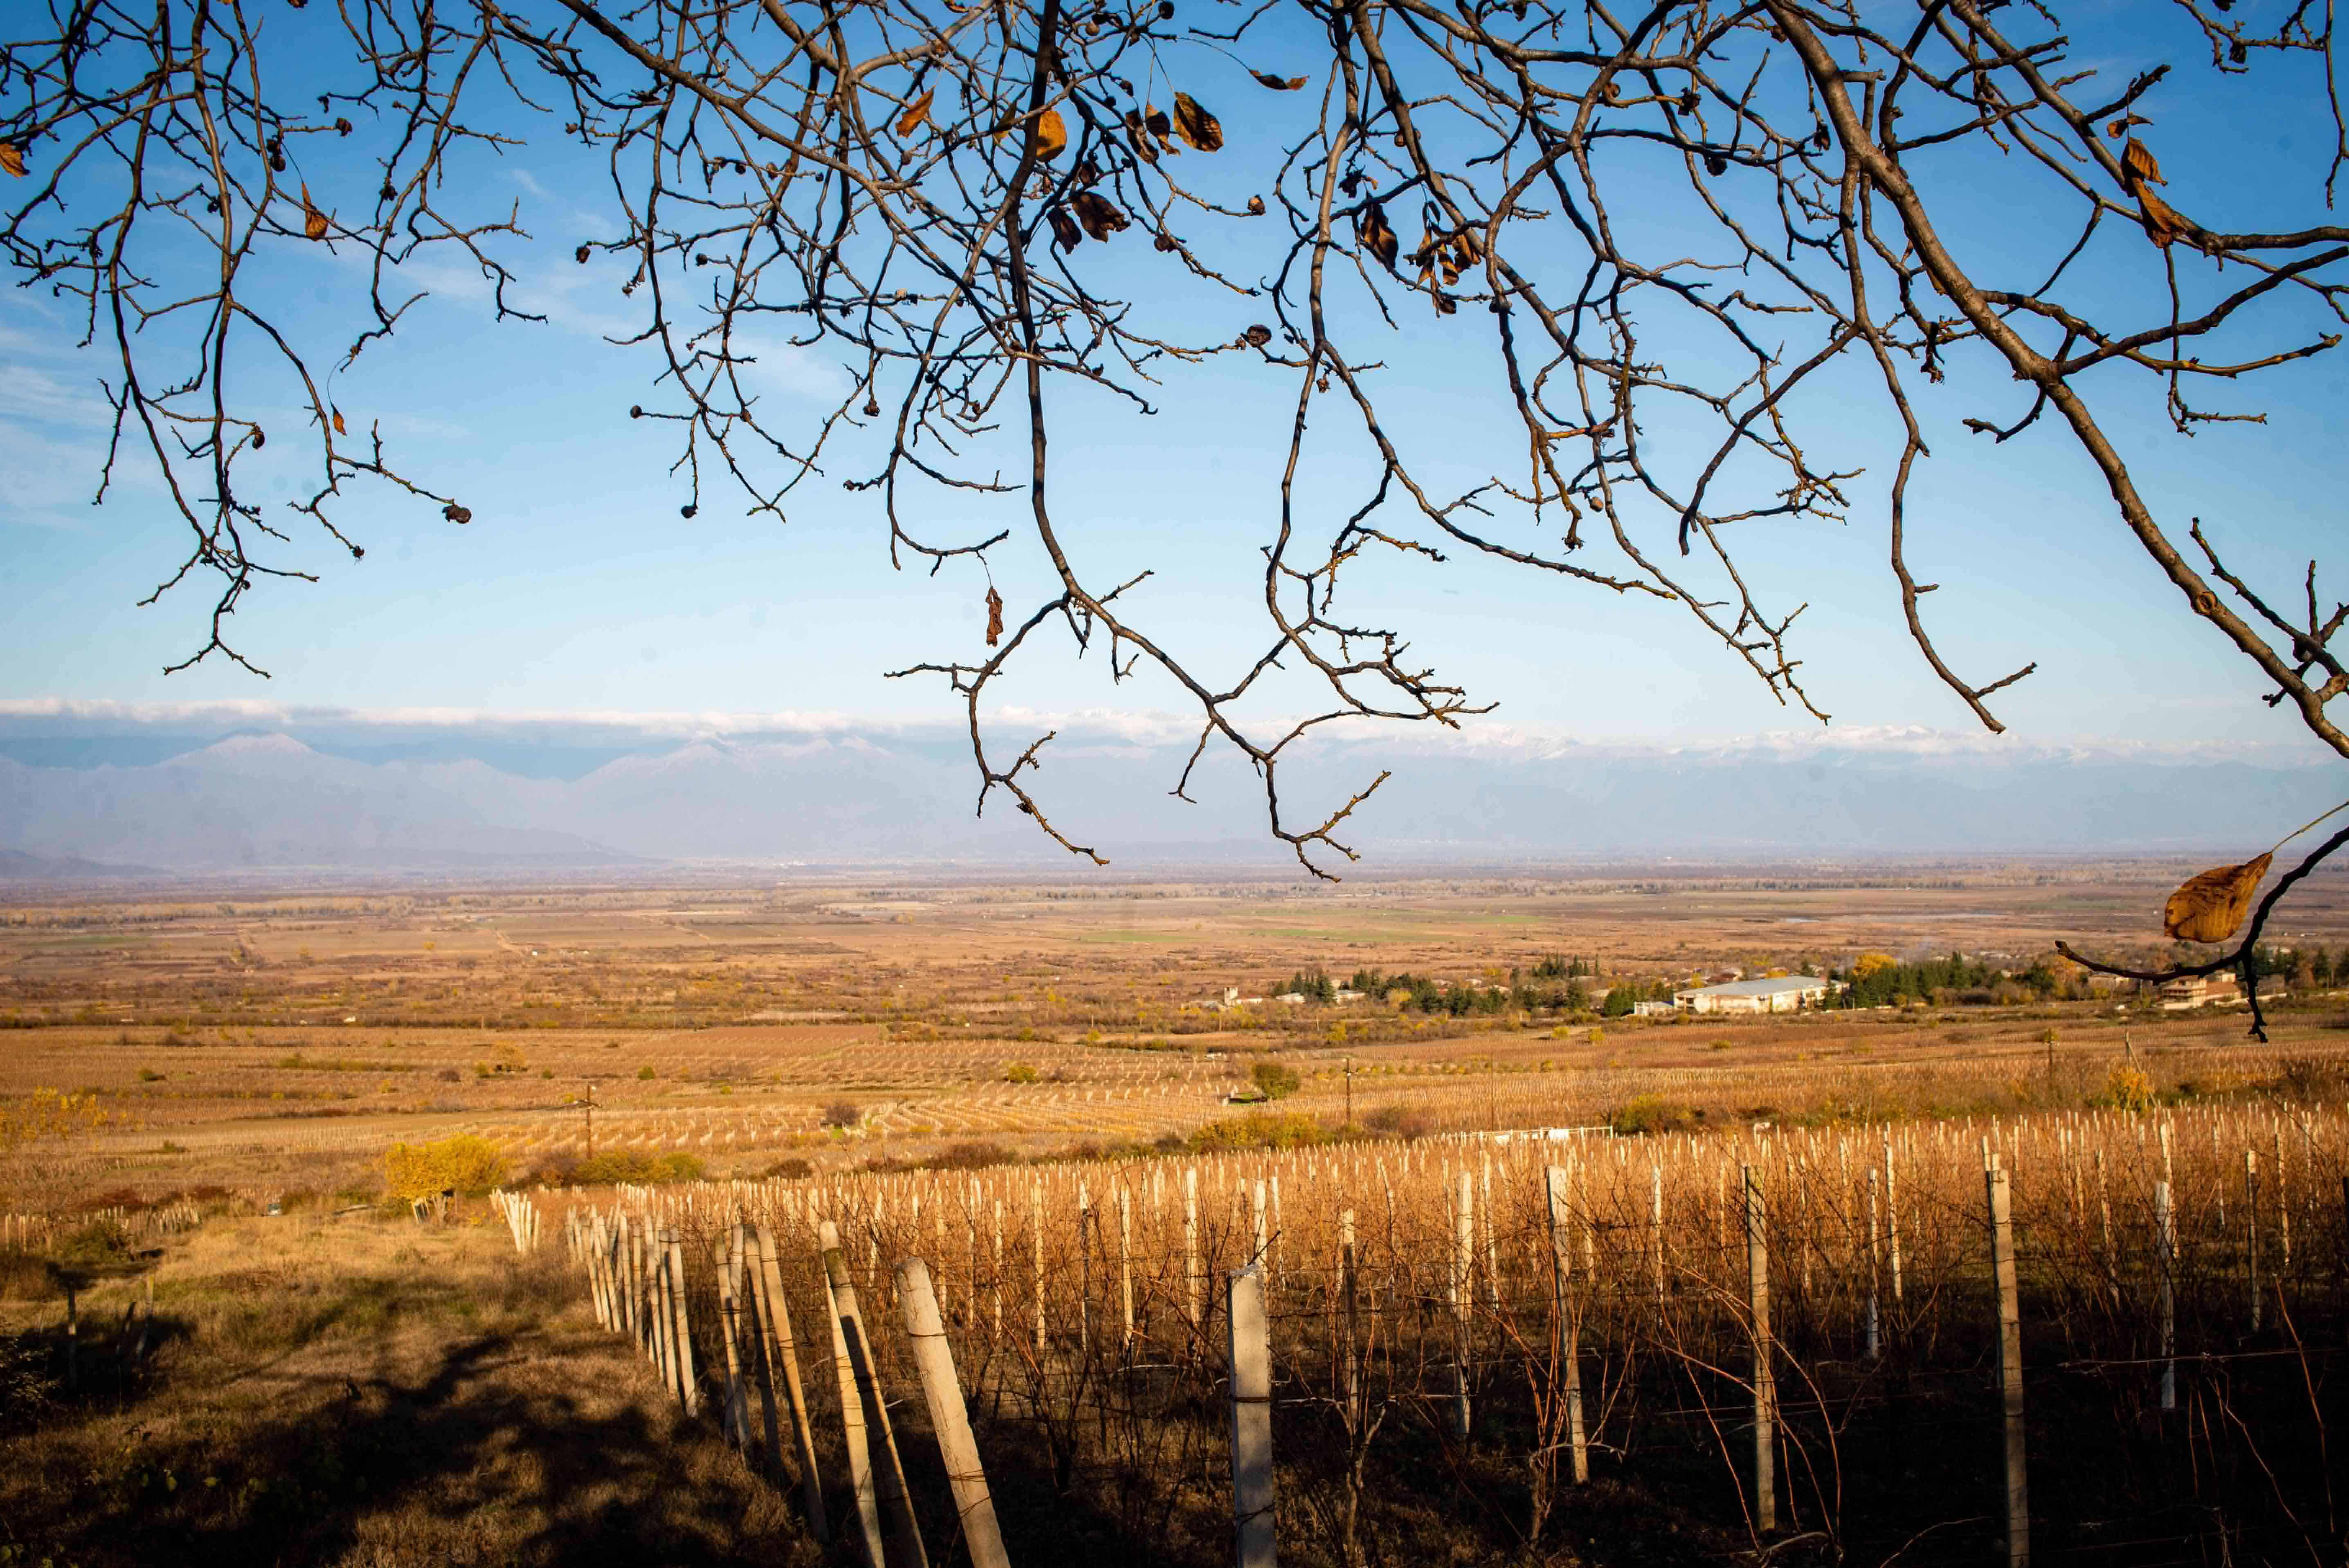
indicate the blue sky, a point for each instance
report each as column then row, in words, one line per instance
column 577, row 587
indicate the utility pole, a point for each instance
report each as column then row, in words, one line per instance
column 587, row 1106
column 1350, row 1091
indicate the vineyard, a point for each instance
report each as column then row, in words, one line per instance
column 1783, row 1339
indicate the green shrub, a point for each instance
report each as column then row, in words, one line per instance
column 1399, row 1121
column 1652, row 1113
column 1020, row 1072
column 1275, row 1080
column 630, row 1165
column 645, row 1071
column 1288, row 1129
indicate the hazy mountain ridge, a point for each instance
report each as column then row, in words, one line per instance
column 261, row 799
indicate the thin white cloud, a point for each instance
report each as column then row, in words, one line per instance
column 1146, row 728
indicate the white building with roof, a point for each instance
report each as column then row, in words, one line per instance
column 1785, row 994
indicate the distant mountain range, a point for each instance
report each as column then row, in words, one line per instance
column 123, row 796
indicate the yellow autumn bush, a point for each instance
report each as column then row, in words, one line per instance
column 467, row 1164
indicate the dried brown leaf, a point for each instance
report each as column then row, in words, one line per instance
column 2138, row 159
column 313, row 223
column 1279, row 84
column 1196, row 125
column 12, row 158
column 916, row 112
column 1064, row 228
column 1377, row 237
column 993, row 616
column 2162, row 222
column 339, row 430
column 2210, row 907
column 1100, row 217
column 1256, row 336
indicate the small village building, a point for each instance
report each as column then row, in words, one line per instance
column 1785, row 994
column 2200, row 991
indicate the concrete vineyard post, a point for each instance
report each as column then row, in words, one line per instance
column 1565, row 1319
column 688, row 1391
column 1892, row 1220
column 2010, row 1368
column 887, row 1471
column 949, row 1418
column 1250, row 1348
column 1874, row 1341
column 1765, row 1388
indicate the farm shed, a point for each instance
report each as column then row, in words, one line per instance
column 1782, row 994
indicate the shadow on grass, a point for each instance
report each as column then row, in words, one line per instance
column 484, row 1455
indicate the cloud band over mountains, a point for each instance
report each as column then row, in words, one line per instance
column 249, row 786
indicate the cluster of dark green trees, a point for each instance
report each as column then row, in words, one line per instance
column 1554, row 985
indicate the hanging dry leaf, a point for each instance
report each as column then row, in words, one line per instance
column 1279, row 84
column 12, row 158
column 916, row 112
column 1445, row 305
column 1378, row 239
column 1100, row 217
column 1197, row 127
column 1064, row 228
column 2137, row 160
column 2210, row 907
column 993, row 616
column 1145, row 146
column 2162, row 222
column 1051, row 135
column 1256, row 336
column 313, row 223
column 339, row 430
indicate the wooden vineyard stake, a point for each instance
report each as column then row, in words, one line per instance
column 1036, row 1257
column 1765, row 1388
column 1195, row 1283
column 1874, row 1335
column 2165, row 1219
column 1250, row 1337
column 736, row 1421
column 1125, row 1261
column 2251, row 1238
column 1656, row 1231
column 852, row 1418
column 949, row 1418
column 1349, row 1368
column 1084, row 1270
column 688, row 1391
column 887, row 1471
column 1567, row 1320
column 2010, row 1368
column 1463, row 1263
column 783, row 1351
